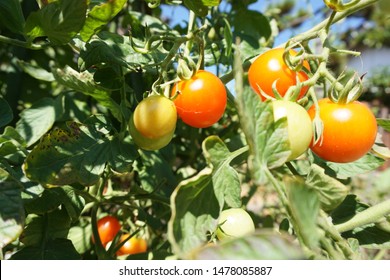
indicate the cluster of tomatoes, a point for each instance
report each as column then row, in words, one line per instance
column 109, row 226
column 200, row 102
column 348, row 129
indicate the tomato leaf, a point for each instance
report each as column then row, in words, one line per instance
column 155, row 173
column 195, row 209
column 305, row 206
column 100, row 15
column 6, row 112
column 225, row 179
column 38, row 119
column 36, row 72
column 11, row 210
column 57, row 249
column 347, row 209
column 367, row 163
column 331, row 192
column 78, row 154
column 60, row 21
column 84, row 83
column 12, row 146
column 385, row 123
column 254, row 30
column 262, row 245
column 51, row 198
column 11, row 16
column 267, row 140
column 197, row 6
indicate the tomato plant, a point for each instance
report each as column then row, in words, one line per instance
column 300, row 132
column 108, row 227
column 155, row 117
column 349, row 131
column 234, row 222
column 201, row 100
column 132, row 245
column 269, row 69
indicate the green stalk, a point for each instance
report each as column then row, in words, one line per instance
column 368, row 216
column 23, row 44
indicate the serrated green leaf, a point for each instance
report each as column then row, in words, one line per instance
column 384, row 123
column 40, row 229
column 11, row 15
column 52, row 198
column 262, row 245
column 99, row 16
column 197, row 6
column 267, row 140
column 254, row 30
column 11, row 211
column 38, row 119
column 305, row 206
column 57, row 249
column 81, row 237
column 155, row 172
column 6, row 112
column 195, row 210
column 83, row 82
column 36, row 72
column 60, row 21
column 330, row 191
column 12, row 146
column 367, row 163
column 123, row 153
column 225, row 179
column 77, row 155
column 372, row 237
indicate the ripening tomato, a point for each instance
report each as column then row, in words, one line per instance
column 270, row 68
column 134, row 245
column 201, row 101
column 155, row 116
column 299, row 126
column 349, row 131
column 108, row 227
column 234, row 222
column 149, row 144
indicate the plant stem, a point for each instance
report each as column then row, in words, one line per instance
column 368, row 216
column 22, row 44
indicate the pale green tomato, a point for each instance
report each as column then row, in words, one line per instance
column 233, row 223
column 300, row 132
column 155, row 116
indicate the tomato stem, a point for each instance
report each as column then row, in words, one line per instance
column 368, row 216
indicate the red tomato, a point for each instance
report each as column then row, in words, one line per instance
column 108, row 227
column 134, row 245
column 202, row 99
column 269, row 68
column 349, row 131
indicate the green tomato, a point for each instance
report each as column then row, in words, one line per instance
column 155, row 117
column 149, row 144
column 233, row 223
column 299, row 125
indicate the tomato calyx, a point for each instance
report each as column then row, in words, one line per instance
column 339, row 5
column 350, row 92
